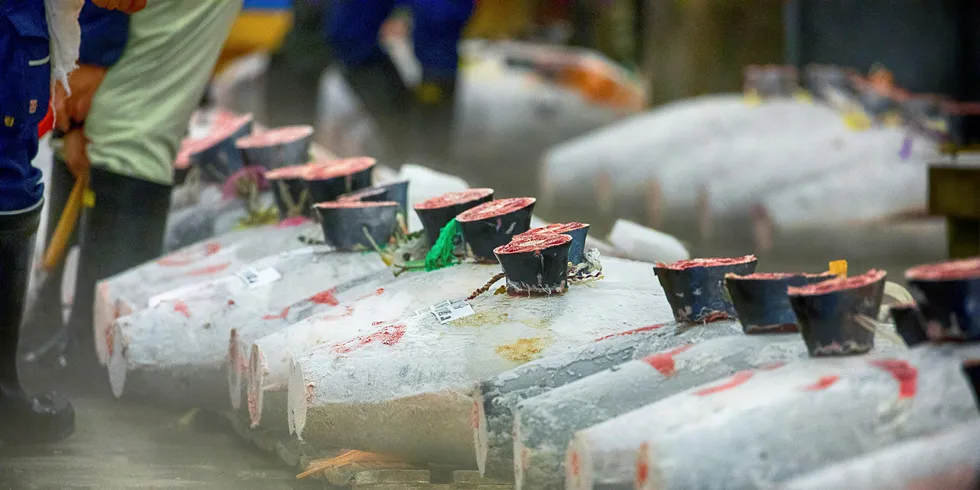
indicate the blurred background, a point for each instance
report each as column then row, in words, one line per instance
column 801, row 130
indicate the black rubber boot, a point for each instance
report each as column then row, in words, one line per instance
column 435, row 111
column 381, row 90
column 125, row 228
column 45, row 314
column 23, row 420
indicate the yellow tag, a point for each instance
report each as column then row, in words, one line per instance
column 88, row 199
column 8, row 121
column 752, row 98
column 839, row 268
column 803, row 96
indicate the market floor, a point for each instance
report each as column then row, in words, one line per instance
column 118, row 445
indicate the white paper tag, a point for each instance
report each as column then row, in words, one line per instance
column 258, row 278
column 448, row 311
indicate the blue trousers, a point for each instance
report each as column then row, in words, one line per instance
column 25, row 89
column 353, row 25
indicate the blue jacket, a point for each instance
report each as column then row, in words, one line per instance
column 104, row 35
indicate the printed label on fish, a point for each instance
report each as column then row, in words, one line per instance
column 448, row 311
column 258, row 278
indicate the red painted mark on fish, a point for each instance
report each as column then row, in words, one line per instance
column 575, row 464
column 348, row 311
column 475, row 415
column 328, row 297
column 109, row 340
column 291, row 222
column 903, row 372
column 211, row 269
column 181, row 307
column 281, row 316
column 772, row 366
column 187, row 257
column 736, row 380
column 389, row 335
column 823, row 383
column 631, row 332
column 642, row 466
column 376, row 292
column 664, row 361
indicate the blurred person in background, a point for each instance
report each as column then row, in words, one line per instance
column 32, row 51
column 123, row 128
column 295, row 69
column 417, row 126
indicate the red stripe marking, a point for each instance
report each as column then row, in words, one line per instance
column 823, row 383
column 737, row 379
column 903, row 372
column 664, row 362
column 181, row 307
column 476, row 415
column 575, row 464
column 211, row 269
column 389, row 335
column 281, row 316
column 631, row 332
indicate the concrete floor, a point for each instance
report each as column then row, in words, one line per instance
column 137, row 446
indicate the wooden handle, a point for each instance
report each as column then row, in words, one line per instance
column 66, row 224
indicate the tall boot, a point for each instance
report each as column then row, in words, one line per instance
column 45, row 314
column 23, row 419
column 433, row 122
column 125, row 228
column 381, row 90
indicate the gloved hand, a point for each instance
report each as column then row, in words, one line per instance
column 75, row 151
column 127, row 6
column 72, row 109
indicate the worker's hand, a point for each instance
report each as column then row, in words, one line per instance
column 127, row 6
column 75, row 152
column 84, row 81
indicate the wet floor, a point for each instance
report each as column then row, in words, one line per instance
column 120, row 445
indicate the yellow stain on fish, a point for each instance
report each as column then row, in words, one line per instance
column 524, row 350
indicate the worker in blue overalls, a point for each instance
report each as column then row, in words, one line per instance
column 25, row 88
column 418, row 126
column 103, row 37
